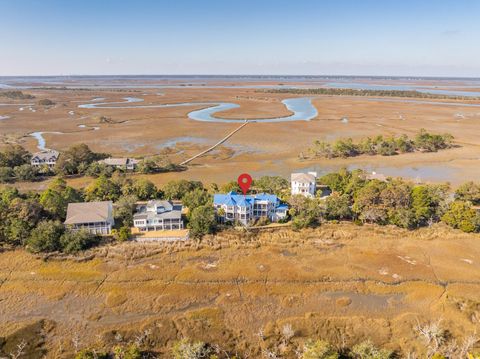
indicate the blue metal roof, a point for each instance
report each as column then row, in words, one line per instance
column 235, row 199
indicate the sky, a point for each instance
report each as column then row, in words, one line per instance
column 295, row 37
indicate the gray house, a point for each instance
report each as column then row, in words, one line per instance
column 95, row 217
column 158, row 215
column 42, row 158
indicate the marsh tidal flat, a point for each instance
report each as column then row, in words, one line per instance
column 337, row 282
column 180, row 117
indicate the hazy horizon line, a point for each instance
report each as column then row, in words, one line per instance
column 246, row 75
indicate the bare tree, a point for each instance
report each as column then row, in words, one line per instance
column 20, row 350
column 433, row 334
column 287, row 332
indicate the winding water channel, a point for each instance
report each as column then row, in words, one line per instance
column 302, row 109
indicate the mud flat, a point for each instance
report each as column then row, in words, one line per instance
column 146, row 127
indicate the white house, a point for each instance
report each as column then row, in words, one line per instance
column 95, row 217
column 122, row 163
column 158, row 216
column 304, row 184
column 233, row 207
column 47, row 157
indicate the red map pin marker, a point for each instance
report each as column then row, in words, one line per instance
column 244, row 181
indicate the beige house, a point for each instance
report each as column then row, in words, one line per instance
column 42, row 158
column 121, row 163
column 95, row 217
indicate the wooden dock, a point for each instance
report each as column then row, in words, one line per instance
column 215, row 145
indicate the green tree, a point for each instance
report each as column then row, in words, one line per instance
column 25, row 172
column 345, row 148
column 132, row 351
column 19, row 216
column 404, row 144
column 103, row 189
column 77, row 159
column 124, row 208
column 147, row 166
column 144, row 189
column 469, row 191
column 45, row 237
column 202, row 221
column 178, row 189
column 428, row 202
column 6, row 174
column 57, row 196
column 230, row 186
column 461, row 215
column 305, row 211
column 368, row 204
column 337, row 206
column 97, row 169
column 14, row 156
column 196, row 198
column 336, row 181
column 271, row 184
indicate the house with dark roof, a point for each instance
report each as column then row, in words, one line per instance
column 44, row 158
column 95, row 217
column 239, row 208
column 158, row 215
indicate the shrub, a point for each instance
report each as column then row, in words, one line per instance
column 367, row 350
column 76, row 241
column 318, row 349
column 461, row 215
column 46, row 102
column 130, row 352
column 45, row 237
column 184, row 349
column 91, row 354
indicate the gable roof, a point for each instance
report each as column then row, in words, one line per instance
column 88, row 212
column 45, row 155
column 303, row 177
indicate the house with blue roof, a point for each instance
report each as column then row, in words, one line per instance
column 237, row 208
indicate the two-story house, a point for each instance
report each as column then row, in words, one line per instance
column 158, row 215
column 94, row 217
column 44, row 158
column 304, row 184
column 234, row 207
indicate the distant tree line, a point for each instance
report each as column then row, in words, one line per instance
column 380, row 145
column 16, row 95
column 366, row 92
